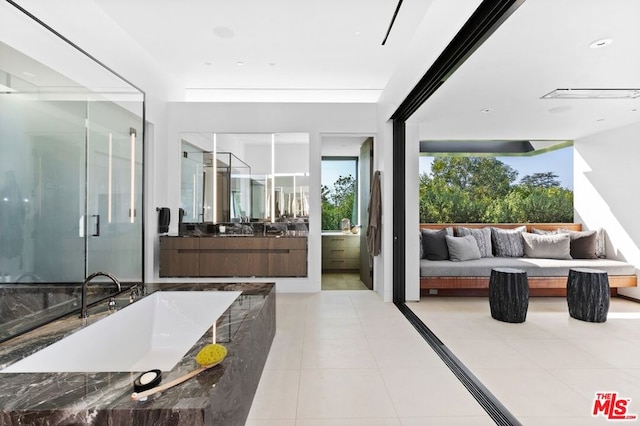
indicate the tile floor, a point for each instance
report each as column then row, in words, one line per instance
column 345, row 358
column 342, row 281
column 547, row 370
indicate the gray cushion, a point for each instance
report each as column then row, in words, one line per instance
column 434, row 244
column 546, row 246
column 508, row 242
column 532, row 266
column 463, row 248
column 583, row 244
column 482, row 236
column 600, row 249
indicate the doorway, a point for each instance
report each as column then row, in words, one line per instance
column 346, row 177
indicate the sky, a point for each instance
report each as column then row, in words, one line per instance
column 332, row 170
column 560, row 162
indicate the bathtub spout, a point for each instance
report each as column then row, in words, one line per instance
column 83, row 311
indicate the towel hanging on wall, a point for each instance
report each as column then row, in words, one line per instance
column 164, row 218
column 375, row 216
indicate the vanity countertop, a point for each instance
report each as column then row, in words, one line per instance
column 219, row 395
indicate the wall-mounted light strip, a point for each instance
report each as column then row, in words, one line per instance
column 294, row 207
column 132, row 202
column 273, row 177
column 110, row 182
column 214, row 164
column 195, row 197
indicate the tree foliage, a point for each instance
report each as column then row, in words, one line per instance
column 479, row 189
column 339, row 202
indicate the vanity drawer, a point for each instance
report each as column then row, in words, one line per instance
column 340, row 241
column 340, row 252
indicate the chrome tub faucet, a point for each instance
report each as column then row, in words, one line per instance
column 85, row 284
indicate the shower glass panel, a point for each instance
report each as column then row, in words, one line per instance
column 113, row 221
column 71, row 167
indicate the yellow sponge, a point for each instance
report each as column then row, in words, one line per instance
column 211, row 354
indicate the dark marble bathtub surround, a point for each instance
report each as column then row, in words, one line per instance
column 26, row 306
column 221, row 395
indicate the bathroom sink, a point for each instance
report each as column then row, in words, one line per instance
column 153, row 333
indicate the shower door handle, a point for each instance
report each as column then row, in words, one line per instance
column 97, row 231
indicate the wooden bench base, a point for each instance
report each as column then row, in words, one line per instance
column 538, row 286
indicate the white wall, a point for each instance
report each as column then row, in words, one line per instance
column 606, row 191
column 314, row 119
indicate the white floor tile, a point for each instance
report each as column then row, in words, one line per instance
column 451, row 420
column 337, row 353
column 277, row 422
column 533, row 392
column 349, row 422
column 433, row 392
column 333, row 328
column 556, row 353
column 405, row 353
column 349, row 393
column 488, row 353
column 276, row 396
column 285, row 353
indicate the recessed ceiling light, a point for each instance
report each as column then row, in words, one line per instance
column 593, row 94
column 207, row 63
column 224, row 32
column 600, row 119
column 600, row 43
column 273, row 64
column 239, row 63
column 634, row 110
column 357, row 33
column 486, row 110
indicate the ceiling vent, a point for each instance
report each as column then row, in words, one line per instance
column 593, row 94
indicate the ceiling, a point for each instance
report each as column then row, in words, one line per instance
column 331, row 51
column 284, row 48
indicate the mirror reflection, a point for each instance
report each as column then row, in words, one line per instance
column 244, row 177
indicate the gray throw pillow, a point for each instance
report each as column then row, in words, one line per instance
column 544, row 232
column 508, row 242
column 601, row 244
column 463, row 248
column 434, row 244
column 552, row 246
column 583, row 244
column 482, row 236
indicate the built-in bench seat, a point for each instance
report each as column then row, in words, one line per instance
column 545, row 276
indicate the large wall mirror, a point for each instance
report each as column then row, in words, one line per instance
column 244, row 177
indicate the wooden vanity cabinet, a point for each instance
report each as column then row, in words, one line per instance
column 340, row 252
column 233, row 257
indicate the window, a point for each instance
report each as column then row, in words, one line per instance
column 339, row 191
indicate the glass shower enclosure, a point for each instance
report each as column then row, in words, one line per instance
column 71, row 172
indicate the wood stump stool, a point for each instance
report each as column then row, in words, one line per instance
column 508, row 294
column 588, row 294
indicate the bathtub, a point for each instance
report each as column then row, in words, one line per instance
column 152, row 333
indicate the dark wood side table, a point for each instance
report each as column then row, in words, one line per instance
column 508, row 294
column 588, row 294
